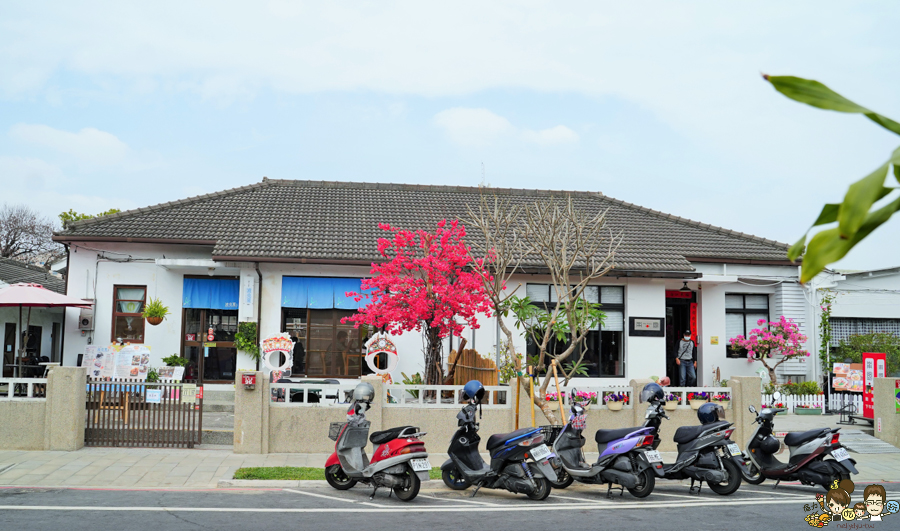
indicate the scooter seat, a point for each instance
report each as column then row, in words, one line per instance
column 381, row 437
column 689, row 433
column 497, row 440
column 605, row 436
column 796, row 438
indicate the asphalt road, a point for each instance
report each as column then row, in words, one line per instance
column 670, row 506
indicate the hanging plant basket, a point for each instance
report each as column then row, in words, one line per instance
column 695, row 403
column 671, row 405
column 723, row 403
column 154, row 320
column 615, row 406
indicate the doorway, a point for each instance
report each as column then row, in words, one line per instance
column 54, row 342
column 9, row 349
column 209, row 360
column 681, row 315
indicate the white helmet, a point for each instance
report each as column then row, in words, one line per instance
column 364, row 392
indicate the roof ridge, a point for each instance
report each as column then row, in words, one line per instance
column 143, row 210
column 432, row 187
column 698, row 224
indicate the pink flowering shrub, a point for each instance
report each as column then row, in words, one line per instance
column 425, row 283
column 780, row 337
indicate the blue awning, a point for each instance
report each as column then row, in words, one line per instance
column 320, row 293
column 211, row 293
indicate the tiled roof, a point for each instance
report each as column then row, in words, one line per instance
column 319, row 220
column 12, row 271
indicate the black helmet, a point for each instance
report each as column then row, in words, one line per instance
column 652, row 392
column 710, row 412
column 473, row 389
column 770, row 445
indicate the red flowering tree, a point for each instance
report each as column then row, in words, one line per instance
column 425, row 284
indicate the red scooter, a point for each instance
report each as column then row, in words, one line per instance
column 400, row 461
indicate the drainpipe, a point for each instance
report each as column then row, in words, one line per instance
column 62, row 340
column 258, row 310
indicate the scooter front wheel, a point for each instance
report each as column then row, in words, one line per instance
column 412, row 488
column 454, row 479
column 754, row 476
column 338, row 479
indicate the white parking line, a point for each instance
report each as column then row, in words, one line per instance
column 465, row 500
column 412, row 509
column 319, row 495
column 583, row 500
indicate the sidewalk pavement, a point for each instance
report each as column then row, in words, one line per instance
column 203, row 467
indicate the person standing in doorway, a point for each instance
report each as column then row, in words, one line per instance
column 684, row 358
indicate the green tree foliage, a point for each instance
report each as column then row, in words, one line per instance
column 71, row 216
column 857, row 216
column 853, row 347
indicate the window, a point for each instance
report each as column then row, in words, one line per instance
column 843, row 327
column 325, row 347
column 604, row 348
column 742, row 313
column 128, row 305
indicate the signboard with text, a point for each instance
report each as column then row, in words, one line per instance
column 873, row 364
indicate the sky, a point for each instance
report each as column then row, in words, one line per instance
column 659, row 103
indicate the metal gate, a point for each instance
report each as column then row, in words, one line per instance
column 143, row 414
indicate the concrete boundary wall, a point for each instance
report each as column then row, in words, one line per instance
column 260, row 428
column 886, row 410
column 56, row 423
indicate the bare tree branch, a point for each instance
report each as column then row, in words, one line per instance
column 25, row 235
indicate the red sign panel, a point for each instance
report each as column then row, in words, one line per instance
column 675, row 294
column 694, row 322
column 248, row 378
column 873, row 367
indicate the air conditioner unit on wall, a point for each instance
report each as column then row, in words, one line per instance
column 86, row 319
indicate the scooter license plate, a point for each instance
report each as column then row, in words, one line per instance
column 840, row 454
column 420, row 465
column 734, row 449
column 539, row 452
column 653, row 456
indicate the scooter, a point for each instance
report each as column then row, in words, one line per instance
column 626, row 457
column 705, row 452
column 510, row 455
column 808, row 451
column 400, row 461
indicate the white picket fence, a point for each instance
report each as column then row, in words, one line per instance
column 22, row 389
column 441, row 396
column 853, row 401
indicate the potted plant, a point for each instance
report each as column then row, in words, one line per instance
column 698, row 399
column 672, row 401
column 814, row 409
column 175, row 361
column 615, row 401
column 587, row 396
column 246, row 340
column 154, row 311
column 723, row 399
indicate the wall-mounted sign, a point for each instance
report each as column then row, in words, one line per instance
column 676, row 294
column 646, row 326
column 154, row 396
column 713, row 340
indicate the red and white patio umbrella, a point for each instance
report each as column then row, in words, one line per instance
column 35, row 296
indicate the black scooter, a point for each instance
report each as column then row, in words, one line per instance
column 705, row 453
column 510, row 455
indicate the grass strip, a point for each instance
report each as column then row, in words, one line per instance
column 294, row 473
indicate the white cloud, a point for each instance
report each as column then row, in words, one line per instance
column 88, row 145
column 481, row 127
column 472, row 127
column 554, row 135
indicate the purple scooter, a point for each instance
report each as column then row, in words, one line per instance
column 626, row 458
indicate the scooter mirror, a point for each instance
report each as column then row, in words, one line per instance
column 776, row 396
column 752, row 409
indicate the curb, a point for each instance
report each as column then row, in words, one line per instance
column 270, row 483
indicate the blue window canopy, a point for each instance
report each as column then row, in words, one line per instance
column 211, row 293
column 320, row 293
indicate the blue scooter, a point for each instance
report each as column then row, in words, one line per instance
column 627, row 457
column 512, row 457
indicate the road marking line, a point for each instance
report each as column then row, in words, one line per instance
column 688, row 496
column 319, row 495
column 583, row 500
column 463, row 500
column 358, row 509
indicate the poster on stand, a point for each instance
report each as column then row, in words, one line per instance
column 848, row 377
column 174, row 374
column 117, row 361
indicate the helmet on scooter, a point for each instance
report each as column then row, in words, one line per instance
column 473, row 389
column 652, row 392
column 364, row 392
column 770, row 445
column 710, row 412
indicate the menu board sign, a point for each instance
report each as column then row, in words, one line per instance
column 848, row 377
column 117, row 361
